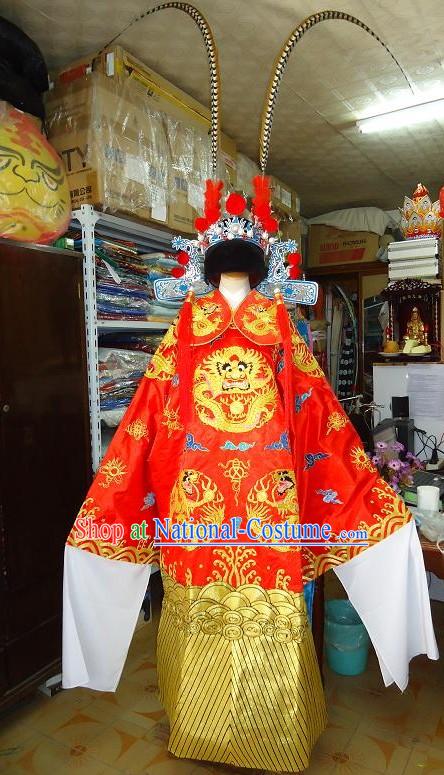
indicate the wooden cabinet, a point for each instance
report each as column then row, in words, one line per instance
column 44, row 452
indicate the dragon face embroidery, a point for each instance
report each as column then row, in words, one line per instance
column 272, row 499
column 196, row 495
column 234, row 390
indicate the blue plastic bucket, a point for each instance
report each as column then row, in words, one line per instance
column 346, row 638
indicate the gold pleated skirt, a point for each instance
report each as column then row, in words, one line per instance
column 238, row 676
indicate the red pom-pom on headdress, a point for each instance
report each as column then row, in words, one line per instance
column 262, row 203
column 235, row 204
column 294, row 272
column 262, row 190
column 213, row 193
column 201, row 224
column 294, row 259
column 262, row 196
column 182, row 258
column 177, row 271
column 270, row 224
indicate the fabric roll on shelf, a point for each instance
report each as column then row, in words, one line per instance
column 132, row 341
column 124, row 280
column 121, row 279
column 120, row 371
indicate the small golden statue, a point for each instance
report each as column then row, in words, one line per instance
column 415, row 328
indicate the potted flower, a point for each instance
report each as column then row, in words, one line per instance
column 398, row 473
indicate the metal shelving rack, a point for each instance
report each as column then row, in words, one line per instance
column 146, row 238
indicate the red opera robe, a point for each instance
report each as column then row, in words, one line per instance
column 237, row 671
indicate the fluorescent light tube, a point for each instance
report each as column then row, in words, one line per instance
column 404, row 117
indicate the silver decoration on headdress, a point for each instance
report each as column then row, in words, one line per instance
column 176, row 288
column 294, row 291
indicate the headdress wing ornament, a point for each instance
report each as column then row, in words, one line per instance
column 281, row 63
column 298, row 291
column 213, row 227
column 176, row 288
column 213, row 64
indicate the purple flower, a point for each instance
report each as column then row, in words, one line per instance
column 375, row 460
column 396, row 446
column 395, row 465
column 381, row 445
column 410, row 456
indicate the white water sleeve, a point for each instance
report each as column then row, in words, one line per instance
column 387, row 585
column 101, row 602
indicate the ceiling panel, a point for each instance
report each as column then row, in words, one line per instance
column 336, row 75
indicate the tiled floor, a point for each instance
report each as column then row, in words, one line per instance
column 371, row 729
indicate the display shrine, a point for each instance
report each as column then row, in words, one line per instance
column 234, row 447
column 414, row 317
column 414, row 310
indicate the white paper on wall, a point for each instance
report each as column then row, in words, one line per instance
column 425, row 385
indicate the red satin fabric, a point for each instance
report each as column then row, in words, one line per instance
column 237, row 457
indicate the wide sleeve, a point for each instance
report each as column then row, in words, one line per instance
column 109, row 551
column 387, row 585
column 364, row 529
column 339, row 489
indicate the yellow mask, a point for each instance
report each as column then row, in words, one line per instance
column 35, row 204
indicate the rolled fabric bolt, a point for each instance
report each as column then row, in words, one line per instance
column 428, row 498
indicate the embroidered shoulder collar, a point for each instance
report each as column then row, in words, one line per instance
column 255, row 318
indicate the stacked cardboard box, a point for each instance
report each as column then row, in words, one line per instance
column 246, row 170
column 329, row 246
column 114, row 146
column 132, row 141
column 136, row 144
column 285, row 201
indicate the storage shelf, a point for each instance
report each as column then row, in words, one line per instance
column 132, row 325
column 147, row 239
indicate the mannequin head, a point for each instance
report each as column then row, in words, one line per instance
column 235, row 256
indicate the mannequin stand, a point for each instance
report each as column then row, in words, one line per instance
column 234, row 286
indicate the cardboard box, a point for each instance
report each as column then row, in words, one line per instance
column 186, row 124
column 190, row 167
column 185, row 118
column 115, row 150
column 247, row 169
column 328, row 246
column 283, row 198
column 292, row 230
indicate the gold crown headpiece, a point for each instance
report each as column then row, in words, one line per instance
column 420, row 216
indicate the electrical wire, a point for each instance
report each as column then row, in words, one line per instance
column 427, row 443
column 424, row 443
